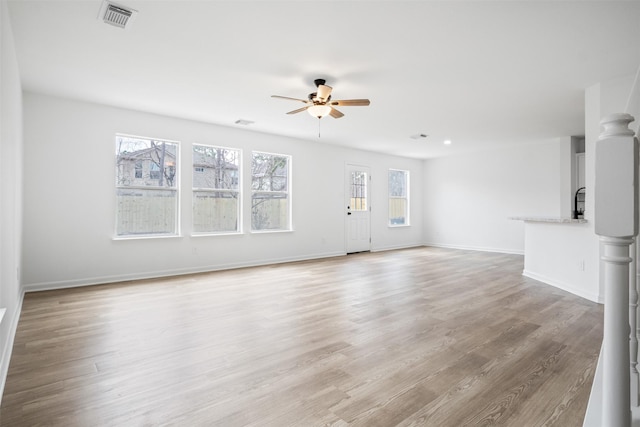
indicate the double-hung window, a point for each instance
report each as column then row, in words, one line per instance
column 270, row 195
column 398, row 197
column 146, row 187
column 216, row 189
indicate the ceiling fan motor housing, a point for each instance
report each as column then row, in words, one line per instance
column 313, row 97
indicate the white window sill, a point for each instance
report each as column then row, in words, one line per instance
column 231, row 233
column 270, row 231
column 146, row 237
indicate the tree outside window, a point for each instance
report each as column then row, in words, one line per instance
column 146, row 187
column 216, row 189
column 398, row 197
column 270, row 199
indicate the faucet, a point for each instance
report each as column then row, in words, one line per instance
column 576, row 212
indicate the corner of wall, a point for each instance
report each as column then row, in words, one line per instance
column 11, row 161
column 7, row 345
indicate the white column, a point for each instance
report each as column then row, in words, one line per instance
column 633, row 322
column 615, row 351
column 616, row 222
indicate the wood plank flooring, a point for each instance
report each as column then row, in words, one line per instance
column 415, row 337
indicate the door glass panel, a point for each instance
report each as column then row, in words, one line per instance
column 358, row 191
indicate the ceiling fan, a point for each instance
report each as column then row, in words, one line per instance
column 320, row 104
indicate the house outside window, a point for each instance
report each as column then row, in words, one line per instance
column 270, row 197
column 146, row 187
column 216, row 189
column 398, row 197
column 154, row 171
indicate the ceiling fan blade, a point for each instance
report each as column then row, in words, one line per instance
column 351, row 102
column 299, row 110
column 335, row 113
column 323, row 92
column 292, row 99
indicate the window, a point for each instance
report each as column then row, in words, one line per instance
column 216, row 193
column 154, row 171
column 146, row 187
column 270, row 198
column 398, row 197
column 358, row 191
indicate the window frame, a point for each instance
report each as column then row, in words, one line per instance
column 176, row 232
column 288, row 193
column 238, row 191
column 407, row 181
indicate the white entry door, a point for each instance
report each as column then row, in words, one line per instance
column 358, row 210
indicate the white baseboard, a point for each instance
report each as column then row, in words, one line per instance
column 8, row 345
column 63, row 284
column 395, row 248
column 477, row 248
column 564, row 286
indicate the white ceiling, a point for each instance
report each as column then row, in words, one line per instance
column 481, row 73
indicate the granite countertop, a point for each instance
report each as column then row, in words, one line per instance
column 551, row 219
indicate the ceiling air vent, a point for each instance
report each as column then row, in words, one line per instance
column 116, row 15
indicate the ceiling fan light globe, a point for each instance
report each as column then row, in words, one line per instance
column 319, row 111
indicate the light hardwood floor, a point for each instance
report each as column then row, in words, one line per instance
column 416, row 337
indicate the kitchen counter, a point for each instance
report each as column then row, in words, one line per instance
column 557, row 220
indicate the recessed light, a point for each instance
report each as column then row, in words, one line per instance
column 447, row 142
column 244, row 122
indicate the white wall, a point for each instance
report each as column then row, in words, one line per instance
column 567, row 171
column 10, row 190
column 602, row 99
column 564, row 256
column 567, row 255
column 69, row 204
column 469, row 198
